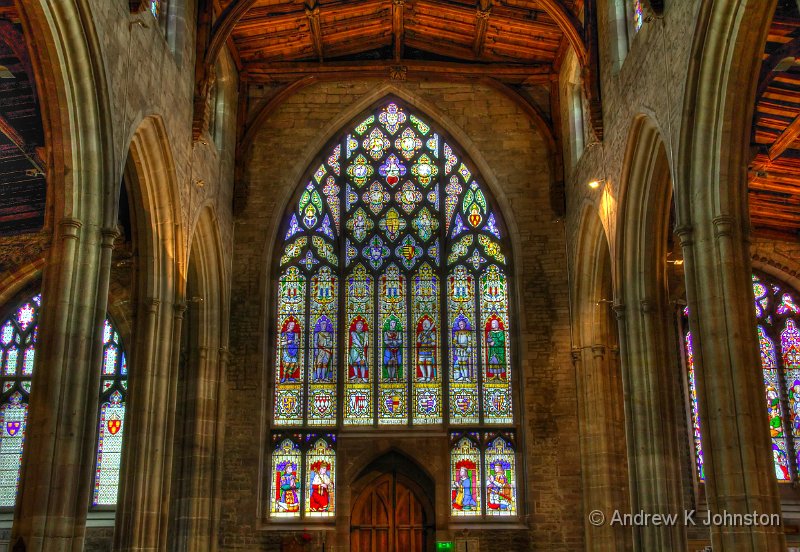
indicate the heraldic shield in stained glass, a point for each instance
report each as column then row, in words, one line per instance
column 778, row 332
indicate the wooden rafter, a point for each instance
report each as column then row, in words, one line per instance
column 768, row 73
column 569, row 25
column 787, row 137
column 398, row 7
column 432, row 69
column 8, row 130
column 484, row 10
column 312, row 13
column 224, row 27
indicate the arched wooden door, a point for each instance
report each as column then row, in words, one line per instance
column 388, row 517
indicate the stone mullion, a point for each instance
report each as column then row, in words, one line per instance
column 56, row 472
column 736, row 440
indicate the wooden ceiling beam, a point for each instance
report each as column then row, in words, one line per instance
column 312, row 13
column 280, row 71
column 8, row 130
column 787, row 137
column 398, row 7
column 569, row 25
column 481, row 26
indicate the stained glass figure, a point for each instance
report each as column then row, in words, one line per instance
column 790, row 355
column 113, row 393
column 286, row 479
column 290, row 348
column 322, row 404
column 360, row 311
column 392, row 384
column 494, row 321
column 321, row 479
column 463, row 347
column 427, row 387
column 465, row 479
column 501, row 485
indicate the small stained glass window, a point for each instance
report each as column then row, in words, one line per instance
column 113, row 393
column 17, row 352
column 483, row 476
column 638, row 15
column 303, row 476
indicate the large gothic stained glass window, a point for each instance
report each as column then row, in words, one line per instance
column 778, row 330
column 392, row 293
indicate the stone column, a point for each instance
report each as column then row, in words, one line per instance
column 650, row 405
column 737, row 455
column 59, row 443
column 143, row 507
column 602, row 450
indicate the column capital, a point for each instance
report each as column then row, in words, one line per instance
column 723, row 226
column 152, row 305
column 70, row 227
column 576, row 355
column 685, row 234
column 109, row 235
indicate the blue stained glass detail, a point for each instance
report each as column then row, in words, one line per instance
column 491, row 226
column 433, row 144
column 325, row 228
column 309, row 261
column 433, row 252
column 458, row 226
column 350, row 198
column 476, row 260
column 376, row 251
column 433, row 196
column 352, row 145
column 350, row 252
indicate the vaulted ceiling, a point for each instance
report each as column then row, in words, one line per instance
column 774, row 175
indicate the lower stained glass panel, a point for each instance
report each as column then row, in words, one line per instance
column 321, row 477
column 465, row 478
column 109, row 451
column 286, row 480
column 13, row 417
column 501, row 482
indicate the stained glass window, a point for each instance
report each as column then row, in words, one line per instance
column 483, row 472
column 778, row 319
column 392, row 304
column 113, row 393
column 18, row 334
column 302, row 483
column 155, row 7
column 638, row 15
column 394, row 227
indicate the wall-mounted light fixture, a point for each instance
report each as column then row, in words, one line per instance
column 596, row 183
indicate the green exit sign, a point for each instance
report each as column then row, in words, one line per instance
column 443, row 546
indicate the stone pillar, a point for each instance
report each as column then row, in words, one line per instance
column 59, row 443
column 143, row 506
column 737, row 455
column 650, row 412
column 602, row 450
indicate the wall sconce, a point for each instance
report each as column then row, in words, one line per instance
column 597, row 183
column 676, row 262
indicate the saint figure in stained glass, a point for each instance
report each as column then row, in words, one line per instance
column 462, row 345
column 496, row 349
column 323, row 350
column 290, row 344
column 392, row 353
column 359, row 365
column 426, row 350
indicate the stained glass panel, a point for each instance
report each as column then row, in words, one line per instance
column 393, row 357
column 427, row 407
column 286, row 480
column 321, row 479
column 323, row 358
column 698, row 445
column 501, row 479
column 360, row 312
column 109, row 451
column 290, row 348
column 638, row 15
column 496, row 347
column 13, row 417
column 790, row 353
column 463, row 347
column 465, row 479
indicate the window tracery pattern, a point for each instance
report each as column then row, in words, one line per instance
column 18, row 334
column 392, row 302
column 778, row 316
column 113, row 395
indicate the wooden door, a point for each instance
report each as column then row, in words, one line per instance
column 388, row 517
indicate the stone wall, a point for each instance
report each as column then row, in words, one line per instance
column 513, row 160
